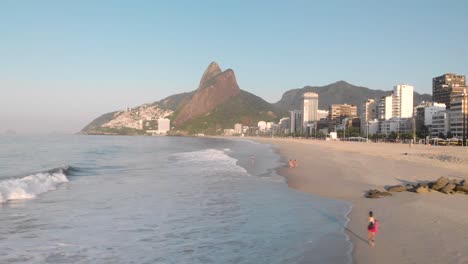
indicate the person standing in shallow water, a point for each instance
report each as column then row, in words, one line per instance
column 372, row 227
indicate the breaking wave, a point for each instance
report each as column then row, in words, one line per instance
column 212, row 159
column 32, row 185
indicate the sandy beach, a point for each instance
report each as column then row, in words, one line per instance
column 414, row 228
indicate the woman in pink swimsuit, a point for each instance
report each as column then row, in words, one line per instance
column 372, row 228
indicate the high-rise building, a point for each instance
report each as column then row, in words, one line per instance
column 423, row 115
column 384, row 107
column 310, row 114
column 447, row 87
column 457, row 116
column 402, row 102
column 340, row 111
column 296, row 122
column 284, row 125
column 368, row 113
column 399, row 103
column 164, row 125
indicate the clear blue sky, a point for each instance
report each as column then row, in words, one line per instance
column 63, row 63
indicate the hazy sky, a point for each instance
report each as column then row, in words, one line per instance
column 63, row 63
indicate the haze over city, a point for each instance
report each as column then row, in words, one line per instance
column 65, row 63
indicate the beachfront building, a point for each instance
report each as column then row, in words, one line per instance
column 384, row 107
column 447, row 87
column 402, row 101
column 164, row 125
column 457, row 114
column 398, row 103
column 296, row 122
column 310, row 114
column 322, row 114
column 396, row 125
column 368, row 113
column 423, row 116
column 262, row 126
column 340, row 111
column 238, row 129
column 440, row 124
column 284, row 126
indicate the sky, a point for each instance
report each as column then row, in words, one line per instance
column 64, row 63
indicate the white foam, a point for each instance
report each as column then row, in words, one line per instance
column 30, row 186
column 208, row 157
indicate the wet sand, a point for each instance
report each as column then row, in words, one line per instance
column 414, row 228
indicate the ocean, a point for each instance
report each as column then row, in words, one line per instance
column 119, row 199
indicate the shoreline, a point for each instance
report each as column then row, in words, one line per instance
column 348, row 169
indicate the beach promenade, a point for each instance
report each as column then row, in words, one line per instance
column 414, row 228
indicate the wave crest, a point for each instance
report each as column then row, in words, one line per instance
column 32, row 185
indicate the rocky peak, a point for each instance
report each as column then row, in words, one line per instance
column 210, row 72
column 215, row 88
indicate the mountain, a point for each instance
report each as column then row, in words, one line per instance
column 337, row 93
column 215, row 88
column 216, row 104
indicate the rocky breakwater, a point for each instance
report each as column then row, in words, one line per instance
column 442, row 185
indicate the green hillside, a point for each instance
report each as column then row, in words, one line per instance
column 246, row 108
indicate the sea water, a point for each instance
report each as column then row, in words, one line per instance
column 118, row 199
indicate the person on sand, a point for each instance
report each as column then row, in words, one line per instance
column 372, row 225
column 291, row 163
column 295, row 163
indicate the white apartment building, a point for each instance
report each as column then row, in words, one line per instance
column 238, row 129
column 429, row 111
column 310, row 114
column 399, row 103
column 164, row 125
column 368, row 113
column 397, row 125
column 402, row 101
column 384, row 107
column 262, row 126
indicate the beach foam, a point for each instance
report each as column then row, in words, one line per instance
column 32, row 185
column 208, row 157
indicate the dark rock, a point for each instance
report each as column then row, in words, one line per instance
column 462, row 188
column 377, row 194
column 397, row 188
column 385, row 194
column 440, row 183
column 448, row 188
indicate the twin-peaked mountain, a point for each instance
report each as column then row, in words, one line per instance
column 219, row 103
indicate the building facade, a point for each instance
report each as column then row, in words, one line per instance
column 447, row 87
column 457, row 116
column 340, row 111
column 368, row 113
column 310, row 113
column 440, row 124
column 164, row 125
column 296, row 122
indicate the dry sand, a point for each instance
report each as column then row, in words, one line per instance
column 414, row 228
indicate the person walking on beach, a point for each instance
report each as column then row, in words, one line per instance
column 372, row 226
